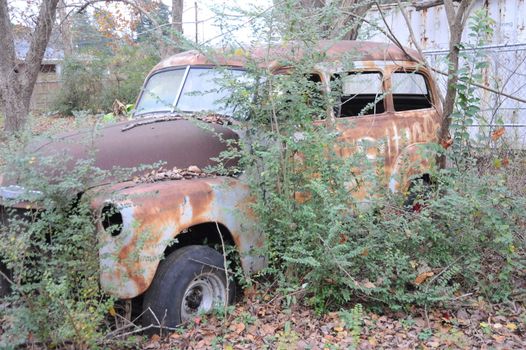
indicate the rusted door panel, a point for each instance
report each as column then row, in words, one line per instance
column 392, row 132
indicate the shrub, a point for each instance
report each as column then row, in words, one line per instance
column 94, row 82
column 335, row 230
column 51, row 249
column 82, row 81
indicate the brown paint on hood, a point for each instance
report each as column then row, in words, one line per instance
column 178, row 142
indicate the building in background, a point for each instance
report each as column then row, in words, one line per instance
column 505, row 55
column 48, row 81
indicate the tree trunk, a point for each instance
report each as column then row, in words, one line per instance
column 65, row 29
column 16, row 106
column 177, row 24
column 457, row 20
column 18, row 78
column 177, row 15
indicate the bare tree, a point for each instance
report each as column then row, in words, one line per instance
column 177, row 18
column 344, row 26
column 65, row 28
column 457, row 12
column 456, row 18
column 17, row 76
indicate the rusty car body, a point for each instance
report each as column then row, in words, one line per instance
column 191, row 208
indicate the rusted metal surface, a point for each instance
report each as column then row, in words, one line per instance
column 403, row 133
column 270, row 57
column 155, row 213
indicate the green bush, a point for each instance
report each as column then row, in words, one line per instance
column 467, row 237
column 51, row 248
column 322, row 238
column 93, row 82
column 82, row 81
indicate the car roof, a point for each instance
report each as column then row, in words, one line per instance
column 274, row 56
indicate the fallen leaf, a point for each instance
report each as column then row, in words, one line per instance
column 497, row 134
column 369, row 285
column 267, row 329
column 238, row 327
column 423, row 277
column 511, row 326
column 194, row 169
column 112, row 311
column 497, row 326
column 498, row 338
column 446, row 143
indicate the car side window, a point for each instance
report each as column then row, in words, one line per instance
column 410, row 91
column 358, row 94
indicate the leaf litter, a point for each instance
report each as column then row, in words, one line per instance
column 256, row 323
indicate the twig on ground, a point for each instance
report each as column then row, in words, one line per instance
column 225, row 266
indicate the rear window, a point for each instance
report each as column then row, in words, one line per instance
column 360, row 94
column 409, row 91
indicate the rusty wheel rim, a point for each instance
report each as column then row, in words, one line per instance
column 203, row 293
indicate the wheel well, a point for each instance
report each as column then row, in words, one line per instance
column 201, row 234
column 426, row 178
column 204, row 234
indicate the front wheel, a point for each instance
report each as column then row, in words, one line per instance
column 189, row 281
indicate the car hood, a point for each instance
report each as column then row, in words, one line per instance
column 176, row 141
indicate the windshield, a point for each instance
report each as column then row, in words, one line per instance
column 190, row 89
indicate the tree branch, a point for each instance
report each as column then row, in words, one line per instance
column 425, row 4
column 39, row 40
column 7, row 46
column 417, row 46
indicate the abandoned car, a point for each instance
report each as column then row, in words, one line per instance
column 200, row 211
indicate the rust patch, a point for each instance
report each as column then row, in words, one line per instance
column 151, row 221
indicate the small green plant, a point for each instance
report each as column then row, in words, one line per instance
column 287, row 338
column 425, row 334
column 353, row 320
column 407, row 322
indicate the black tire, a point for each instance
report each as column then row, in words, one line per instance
column 184, row 285
column 419, row 191
column 5, row 286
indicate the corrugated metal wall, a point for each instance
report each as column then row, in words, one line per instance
column 505, row 54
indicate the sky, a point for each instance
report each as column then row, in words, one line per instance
column 207, row 27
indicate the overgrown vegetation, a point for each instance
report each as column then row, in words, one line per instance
column 49, row 249
column 94, row 81
column 466, row 235
column 336, row 234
